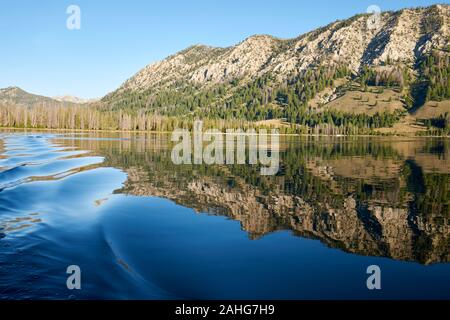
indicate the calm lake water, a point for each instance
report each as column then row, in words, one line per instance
column 141, row 227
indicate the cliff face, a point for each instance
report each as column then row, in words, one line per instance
column 403, row 36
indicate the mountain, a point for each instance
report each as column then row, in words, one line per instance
column 18, row 97
column 344, row 66
column 72, row 99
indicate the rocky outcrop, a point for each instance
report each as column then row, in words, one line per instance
column 402, row 36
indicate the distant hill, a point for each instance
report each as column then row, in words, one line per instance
column 19, row 97
column 72, row 99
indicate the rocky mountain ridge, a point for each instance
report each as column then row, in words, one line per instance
column 19, row 97
column 403, row 36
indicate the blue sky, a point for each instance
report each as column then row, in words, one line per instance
column 117, row 38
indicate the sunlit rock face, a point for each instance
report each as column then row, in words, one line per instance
column 401, row 36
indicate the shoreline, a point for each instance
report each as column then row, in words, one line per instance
column 168, row 132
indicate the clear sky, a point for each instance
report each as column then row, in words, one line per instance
column 117, row 38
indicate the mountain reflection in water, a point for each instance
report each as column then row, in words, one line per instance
column 366, row 196
column 370, row 197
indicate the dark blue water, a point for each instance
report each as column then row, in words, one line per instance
column 140, row 227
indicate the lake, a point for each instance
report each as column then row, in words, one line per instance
column 141, row 227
